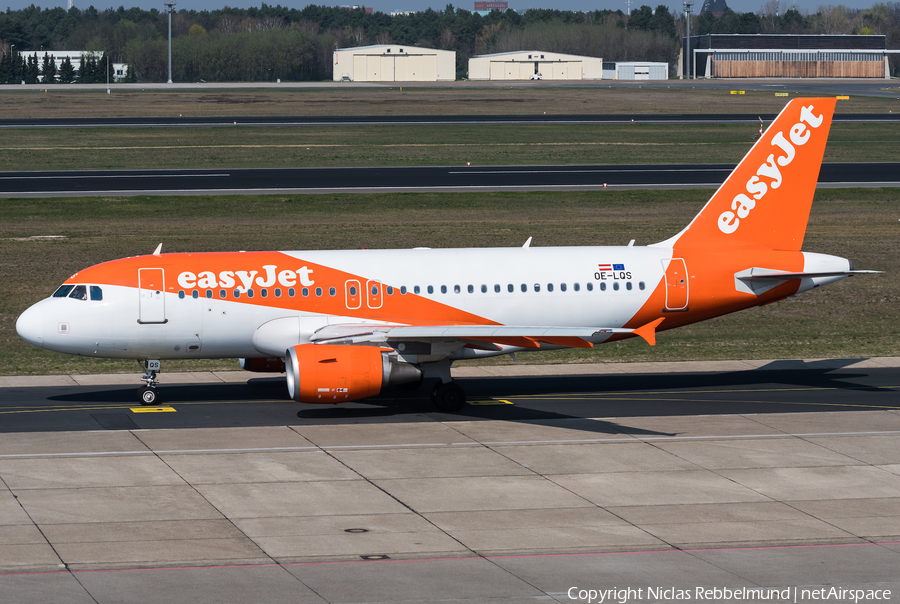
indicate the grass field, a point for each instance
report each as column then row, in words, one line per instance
column 857, row 317
column 289, row 147
column 487, row 99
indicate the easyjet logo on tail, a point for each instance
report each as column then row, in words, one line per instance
column 743, row 203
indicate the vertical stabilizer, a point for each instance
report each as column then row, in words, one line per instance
column 765, row 202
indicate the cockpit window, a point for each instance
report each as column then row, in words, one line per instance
column 79, row 292
column 63, row 291
column 97, row 293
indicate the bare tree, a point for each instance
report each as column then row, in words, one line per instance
column 227, row 24
column 271, row 22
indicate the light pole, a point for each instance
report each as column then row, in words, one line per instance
column 170, row 8
column 107, row 73
column 688, row 7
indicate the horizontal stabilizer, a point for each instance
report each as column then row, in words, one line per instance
column 781, row 275
column 648, row 331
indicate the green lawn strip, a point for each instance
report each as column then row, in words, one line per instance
column 857, row 317
column 520, row 98
column 256, row 147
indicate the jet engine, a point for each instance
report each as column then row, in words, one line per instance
column 266, row 365
column 328, row 373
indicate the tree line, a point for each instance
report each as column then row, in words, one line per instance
column 16, row 67
column 276, row 42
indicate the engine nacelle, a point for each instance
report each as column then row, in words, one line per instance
column 327, row 373
column 267, row 365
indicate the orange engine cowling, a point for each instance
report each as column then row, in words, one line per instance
column 327, row 373
column 263, row 365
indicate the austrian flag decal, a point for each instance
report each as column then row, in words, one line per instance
column 611, row 267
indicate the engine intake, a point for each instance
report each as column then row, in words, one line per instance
column 327, row 373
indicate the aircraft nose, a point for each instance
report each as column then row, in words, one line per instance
column 30, row 326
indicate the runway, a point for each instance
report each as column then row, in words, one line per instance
column 388, row 179
column 786, row 476
column 422, row 120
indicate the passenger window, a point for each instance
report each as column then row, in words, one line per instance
column 628, row 286
column 537, row 287
column 79, row 292
column 590, row 287
column 181, row 294
column 194, row 294
column 577, row 286
column 416, row 289
column 402, row 290
column 641, row 285
column 332, row 291
column 430, row 289
column 291, row 292
column 616, row 286
column 510, row 288
column 249, row 293
column 96, row 293
column 374, row 290
column 524, row 288
column 277, row 292
column 443, row 289
column 209, row 293
column 222, row 293
column 63, row 291
column 264, row 293
column 562, row 287
column 549, row 287
column 237, row 293
column 603, row 287
column 352, row 290
column 318, row 292
column 496, row 288
column 303, row 292
column 390, row 290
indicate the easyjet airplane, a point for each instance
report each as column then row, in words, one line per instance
column 345, row 324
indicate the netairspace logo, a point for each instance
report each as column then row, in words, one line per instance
column 724, row 594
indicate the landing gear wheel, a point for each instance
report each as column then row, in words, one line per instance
column 148, row 396
column 448, row 397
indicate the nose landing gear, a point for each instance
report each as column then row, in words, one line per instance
column 148, row 394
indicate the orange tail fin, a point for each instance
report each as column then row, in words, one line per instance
column 765, row 202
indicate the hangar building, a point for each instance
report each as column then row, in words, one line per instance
column 635, row 70
column 394, row 63
column 786, row 56
column 529, row 64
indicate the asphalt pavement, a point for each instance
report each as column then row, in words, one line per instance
column 779, row 475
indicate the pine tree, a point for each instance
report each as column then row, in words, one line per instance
column 130, row 74
column 66, row 71
column 48, row 69
column 32, row 70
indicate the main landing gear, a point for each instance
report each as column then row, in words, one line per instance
column 148, row 394
column 448, row 397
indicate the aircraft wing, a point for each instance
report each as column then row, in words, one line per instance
column 510, row 335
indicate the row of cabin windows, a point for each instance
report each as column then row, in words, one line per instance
column 79, row 292
column 389, row 290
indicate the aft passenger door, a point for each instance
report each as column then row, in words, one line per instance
column 676, row 285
